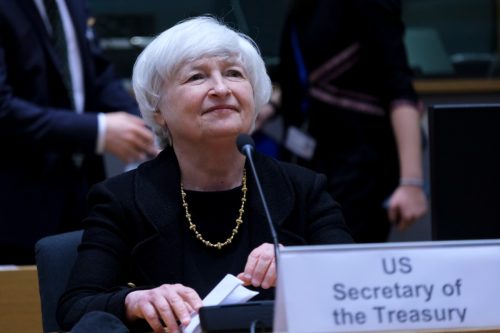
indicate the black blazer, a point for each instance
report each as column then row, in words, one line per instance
column 39, row 134
column 133, row 231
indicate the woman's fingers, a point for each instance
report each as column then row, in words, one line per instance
column 167, row 313
column 270, row 278
column 168, row 305
column 151, row 316
column 178, row 305
column 192, row 299
column 260, row 269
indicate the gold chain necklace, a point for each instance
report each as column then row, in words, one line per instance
column 239, row 220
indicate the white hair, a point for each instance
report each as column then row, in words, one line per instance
column 186, row 41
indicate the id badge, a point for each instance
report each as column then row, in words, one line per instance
column 300, row 143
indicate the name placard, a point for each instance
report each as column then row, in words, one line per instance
column 391, row 286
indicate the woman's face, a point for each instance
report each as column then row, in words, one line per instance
column 210, row 98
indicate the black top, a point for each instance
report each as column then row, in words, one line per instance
column 214, row 214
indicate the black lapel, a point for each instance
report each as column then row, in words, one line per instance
column 279, row 195
column 32, row 12
column 157, row 190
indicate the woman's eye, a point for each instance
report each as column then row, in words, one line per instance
column 234, row 73
column 195, row 77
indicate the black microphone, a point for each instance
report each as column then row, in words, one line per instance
column 246, row 146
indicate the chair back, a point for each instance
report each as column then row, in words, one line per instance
column 55, row 256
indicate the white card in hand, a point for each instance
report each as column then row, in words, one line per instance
column 229, row 290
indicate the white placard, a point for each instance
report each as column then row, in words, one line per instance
column 391, row 286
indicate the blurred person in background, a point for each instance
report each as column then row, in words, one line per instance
column 351, row 111
column 61, row 108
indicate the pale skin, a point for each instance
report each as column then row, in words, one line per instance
column 128, row 138
column 206, row 105
column 407, row 203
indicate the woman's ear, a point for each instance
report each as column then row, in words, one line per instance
column 158, row 118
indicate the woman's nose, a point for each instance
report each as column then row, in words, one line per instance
column 220, row 86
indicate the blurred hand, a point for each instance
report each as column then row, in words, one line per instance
column 128, row 138
column 265, row 113
column 260, row 269
column 406, row 205
column 269, row 110
column 168, row 303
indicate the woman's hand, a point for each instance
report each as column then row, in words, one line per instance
column 407, row 204
column 168, row 303
column 260, row 270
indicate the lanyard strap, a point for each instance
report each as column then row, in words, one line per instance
column 301, row 69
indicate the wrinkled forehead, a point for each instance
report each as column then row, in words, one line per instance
column 224, row 58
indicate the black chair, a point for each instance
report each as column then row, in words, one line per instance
column 55, row 256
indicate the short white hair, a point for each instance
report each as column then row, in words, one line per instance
column 186, row 41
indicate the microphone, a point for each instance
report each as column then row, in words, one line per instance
column 246, row 146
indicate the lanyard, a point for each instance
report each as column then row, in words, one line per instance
column 301, row 69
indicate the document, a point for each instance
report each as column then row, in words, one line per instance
column 229, row 290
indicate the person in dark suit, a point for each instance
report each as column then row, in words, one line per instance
column 160, row 237
column 61, row 107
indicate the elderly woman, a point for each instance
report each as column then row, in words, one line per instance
column 160, row 237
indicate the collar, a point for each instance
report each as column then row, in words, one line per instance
column 157, row 187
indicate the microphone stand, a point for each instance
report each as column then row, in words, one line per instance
column 246, row 146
